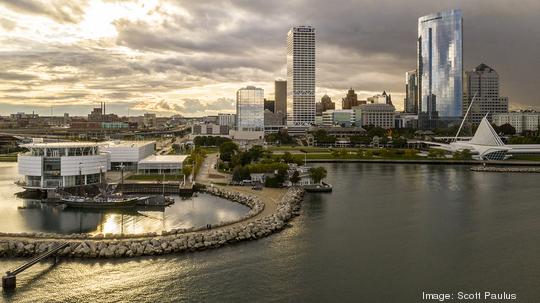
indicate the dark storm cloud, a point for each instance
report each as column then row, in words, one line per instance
column 61, row 96
column 187, row 106
column 62, row 11
column 367, row 45
column 379, row 35
column 16, row 76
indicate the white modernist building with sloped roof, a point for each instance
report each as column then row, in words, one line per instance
column 54, row 165
column 487, row 145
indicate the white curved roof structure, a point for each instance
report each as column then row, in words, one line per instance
column 487, row 145
column 486, row 135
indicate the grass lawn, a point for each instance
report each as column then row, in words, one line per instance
column 156, row 177
column 210, row 150
column 329, row 156
column 526, row 157
column 8, row 158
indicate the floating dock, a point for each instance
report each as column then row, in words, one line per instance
column 167, row 188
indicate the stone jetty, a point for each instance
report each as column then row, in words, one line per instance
column 172, row 241
column 511, row 169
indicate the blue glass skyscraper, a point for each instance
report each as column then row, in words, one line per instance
column 440, row 64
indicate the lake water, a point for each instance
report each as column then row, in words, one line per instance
column 21, row 215
column 386, row 234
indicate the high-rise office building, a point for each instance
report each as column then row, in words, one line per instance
column 227, row 119
column 280, row 92
column 383, row 98
column 270, row 105
column 250, row 109
column 440, row 65
column 411, row 92
column 325, row 104
column 350, row 100
column 301, row 76
column 484, row 82
column 375, row 114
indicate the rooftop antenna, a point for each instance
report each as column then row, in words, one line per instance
column 465, row 117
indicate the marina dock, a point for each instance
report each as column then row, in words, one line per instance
column 166, row 188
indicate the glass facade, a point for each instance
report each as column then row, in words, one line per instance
column 250, row 109
column 411, row 92
column 440, row 64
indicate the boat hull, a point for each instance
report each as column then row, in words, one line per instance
column 101, row 205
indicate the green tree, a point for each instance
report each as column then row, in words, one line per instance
column 410, row 153
column 377, row 131
column 288, row 157
column 281, row 137
column 255, row 153
column 227, row 150
column 436, row 153
column 399, row 142
column 462, row 155
column 466, row 154
column 240, row 173
column 317, row 174
column 295, row 178
column 507, row 129
column 187, row 169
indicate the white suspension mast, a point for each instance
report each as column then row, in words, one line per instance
column 465, row 117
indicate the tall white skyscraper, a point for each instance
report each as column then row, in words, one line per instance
column 301, row 76
column 250, row 109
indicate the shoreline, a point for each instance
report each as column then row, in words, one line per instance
column 435, row 162
column 267, row 215
column 495, row 169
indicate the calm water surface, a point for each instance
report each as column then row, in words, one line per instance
column 22, row 215
column 386, row 233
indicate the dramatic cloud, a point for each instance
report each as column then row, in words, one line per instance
column 190, row 57
column 188, row 106
column 63, row 11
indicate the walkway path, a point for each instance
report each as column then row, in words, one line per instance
column 209, row 174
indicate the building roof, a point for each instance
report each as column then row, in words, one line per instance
column 118, row 143
column 483, row 67
column 486, row 135
column 163, row 159
column 60, row 144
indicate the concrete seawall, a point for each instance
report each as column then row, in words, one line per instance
column 429, row 161
column 506, row 169
column 173, row 241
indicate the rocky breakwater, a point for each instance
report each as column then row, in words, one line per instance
column 174, row 241
column 499, row 169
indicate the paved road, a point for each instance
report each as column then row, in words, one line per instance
column 209, row 174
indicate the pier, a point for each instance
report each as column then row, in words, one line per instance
column 9, row 281
column 166, row 188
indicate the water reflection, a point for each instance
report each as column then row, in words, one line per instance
column 25, row 215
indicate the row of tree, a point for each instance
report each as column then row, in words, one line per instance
column 210, row 140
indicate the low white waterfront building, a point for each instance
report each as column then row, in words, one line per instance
column 62, row 164
column 162, row 164
column 68, row 164
column 127, row 153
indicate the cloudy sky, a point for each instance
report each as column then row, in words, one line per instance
column 190, row 57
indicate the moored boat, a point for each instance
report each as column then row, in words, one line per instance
column 318, row 188
column 101, row 203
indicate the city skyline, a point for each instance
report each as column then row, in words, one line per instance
column 190, row 58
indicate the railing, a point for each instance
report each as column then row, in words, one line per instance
column 9, row 281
